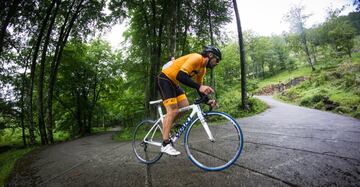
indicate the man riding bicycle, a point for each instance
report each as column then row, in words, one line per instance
column 182, row 70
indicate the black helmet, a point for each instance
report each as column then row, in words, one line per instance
column 216, row 51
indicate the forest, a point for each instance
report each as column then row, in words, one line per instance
column 61, row 80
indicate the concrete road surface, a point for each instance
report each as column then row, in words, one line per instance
column 284, row 146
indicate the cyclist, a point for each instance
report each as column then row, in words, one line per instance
column 183, row 70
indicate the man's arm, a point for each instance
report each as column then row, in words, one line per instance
column 185, row 79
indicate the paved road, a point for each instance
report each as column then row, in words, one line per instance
column 284, row 146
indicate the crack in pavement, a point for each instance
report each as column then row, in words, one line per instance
column 302, row 150
column 148, row 178
column 252, row 170
column 305, row 137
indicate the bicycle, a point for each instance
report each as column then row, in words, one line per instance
column 213, row 140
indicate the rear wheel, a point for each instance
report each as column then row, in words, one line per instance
column 147, row 150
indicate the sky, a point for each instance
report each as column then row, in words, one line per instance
column 264, row 17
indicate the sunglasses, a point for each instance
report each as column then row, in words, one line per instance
column 217, row 59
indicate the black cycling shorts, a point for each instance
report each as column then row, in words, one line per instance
column 170, row 92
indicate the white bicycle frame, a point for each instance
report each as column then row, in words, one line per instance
column 196, row 110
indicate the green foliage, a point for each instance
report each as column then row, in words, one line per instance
column 332, row 87
column 10, row 137
column 285, row 76
column 125, row 134
column 227, row 73
column 85, row 74
column 229, row 102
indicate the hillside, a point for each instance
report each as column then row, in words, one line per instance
column 332, row 87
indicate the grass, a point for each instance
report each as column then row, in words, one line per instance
column 99, row 129
column 332, row 83
column 285, row 76
column 7, row 162
column 10, row 137
column 125, row 134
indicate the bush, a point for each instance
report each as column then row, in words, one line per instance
column 230, row 102
column 317, row 98
column 256, row 105
column 349, row 80
column 319, row 105
column 342, row 110
column 125, row 134
column 306, row 101
column 290, row 95
column 356, row 115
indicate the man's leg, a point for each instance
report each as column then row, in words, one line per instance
column 171, row 112
column 183, row 103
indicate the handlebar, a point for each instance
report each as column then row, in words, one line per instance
column 203, row 99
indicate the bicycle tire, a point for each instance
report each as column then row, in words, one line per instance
column 146, row 153
column 218, row 155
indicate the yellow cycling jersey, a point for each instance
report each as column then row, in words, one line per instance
column 192, row 64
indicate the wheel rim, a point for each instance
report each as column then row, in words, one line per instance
column 146, row 152
column 218, row 155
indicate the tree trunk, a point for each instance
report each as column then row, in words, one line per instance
column 32, row 79
column 212, row 75
column 146, row 62
column 96, row 95
column 64, row 34
column 42, row 68
column 173, row 27
column 314, row 55
column 22, row 104
column 186, row 28
column 156, row 39
column 53, row 70
column 244, row 100
column 304, row 41
column 78, row 113
column 41, row 115
column 85, row 114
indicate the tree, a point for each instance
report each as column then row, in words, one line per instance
column 297, row 20
column 150, row 31
column 244, row 100
column 357, row 4
column 280, row 52
column 339, row 33
column 86, row 72
column 8, row 12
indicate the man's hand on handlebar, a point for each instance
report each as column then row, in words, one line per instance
column 206, row 89
column 212, row 103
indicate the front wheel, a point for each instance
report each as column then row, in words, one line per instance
column 147, row 140
column 218, row 154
